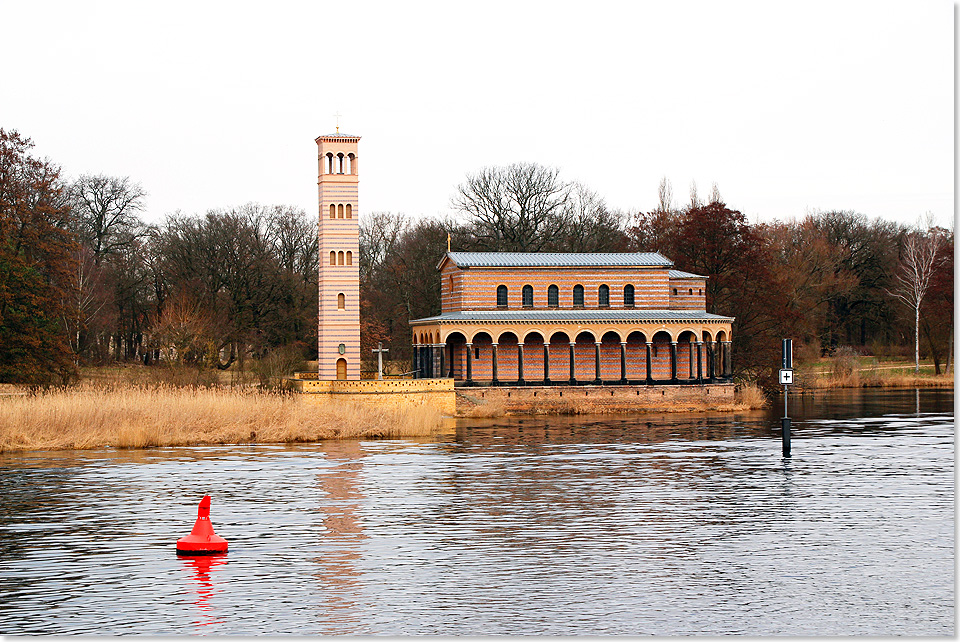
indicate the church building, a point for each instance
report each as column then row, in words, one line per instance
column 568, row 319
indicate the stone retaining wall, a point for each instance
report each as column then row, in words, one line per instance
column 438, row 393
column 582, row 399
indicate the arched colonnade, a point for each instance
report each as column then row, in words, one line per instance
column 570, row 357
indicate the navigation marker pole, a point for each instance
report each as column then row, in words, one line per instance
column 786, row 378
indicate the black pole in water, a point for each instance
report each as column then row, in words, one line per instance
column 785, row 426
column 786, row 378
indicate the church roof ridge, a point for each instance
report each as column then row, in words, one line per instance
column 559, row 259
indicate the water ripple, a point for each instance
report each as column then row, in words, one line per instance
column 676, row 525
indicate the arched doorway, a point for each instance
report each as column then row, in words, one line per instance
column 661, row 357
column 341, row 369
column 636, row 356
column 611, row 359
column 456, row 347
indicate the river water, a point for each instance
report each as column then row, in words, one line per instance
column 664, row 525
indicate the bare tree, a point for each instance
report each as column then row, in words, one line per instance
column 917, row 265
column 589, row 225
column 86, row 299
column 665, row 193
column 107, row 208
column 379, row 234
column 517, row 208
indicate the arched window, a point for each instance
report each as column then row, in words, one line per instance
column 346, row 165
column 339, row 163
column 341, row 369
column 341, row 301
column 353, row 163
column 700, row 292
column 603, row 296
column 527, row 296
column 349, row 211
column 349, row 258
column 333, row 258
column 501, row 296
column 339, row 258
column 553, row 297
column 333, row 211
column 578, row 296
column 328, row 164
column 674, row 291
column 340, row 211
column 628, row 296
column 691, row 290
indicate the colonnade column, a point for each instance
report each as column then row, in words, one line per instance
column 673, row 361
column 520, row 363
column 573, row 378
column 728, row 359
column 546, row 362
column 710, row 360
column 718, row 349
column 623, row 362
column 469, row 362
column 494, row 345
column 440, row 354
column 414, row 365
column 597, row 362
column 649, row 362
column 699, row 363
column 690, row 346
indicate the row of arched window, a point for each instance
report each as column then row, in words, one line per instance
column 341, row 258
column 341, row 211
column 553, row 296
column 339, row 164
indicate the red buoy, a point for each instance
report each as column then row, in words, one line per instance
column 202, row 540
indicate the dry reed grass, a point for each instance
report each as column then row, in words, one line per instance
column 86, row 417
column 750, row 397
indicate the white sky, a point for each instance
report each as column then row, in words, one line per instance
column 789, row 107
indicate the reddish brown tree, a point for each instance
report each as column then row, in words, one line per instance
column 37, row 262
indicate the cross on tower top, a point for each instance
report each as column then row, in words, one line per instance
column 337, row 116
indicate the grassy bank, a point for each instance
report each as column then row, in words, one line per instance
column 90, row 416
column 868, row 372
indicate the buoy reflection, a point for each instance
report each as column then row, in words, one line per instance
column 204, row 590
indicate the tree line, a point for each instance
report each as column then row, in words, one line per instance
column 85, row 281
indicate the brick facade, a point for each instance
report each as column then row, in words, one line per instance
column 488, row 332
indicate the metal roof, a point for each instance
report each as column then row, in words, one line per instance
column 677, row 274
column 559, row 259
column 582, row 316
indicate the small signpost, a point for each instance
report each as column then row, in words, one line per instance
column 786, row 379
column 380, row 350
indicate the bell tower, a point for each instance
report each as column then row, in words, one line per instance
column 339, row 315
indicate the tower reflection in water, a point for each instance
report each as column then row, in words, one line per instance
column 205, row 589
column 339, row 576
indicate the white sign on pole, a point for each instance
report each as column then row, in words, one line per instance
column 786, row 377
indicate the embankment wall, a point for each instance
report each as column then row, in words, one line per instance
column 438, row 393
column 586, row 399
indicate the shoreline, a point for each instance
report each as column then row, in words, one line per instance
column 123, row 416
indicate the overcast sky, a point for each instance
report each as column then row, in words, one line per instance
column 790, row 107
